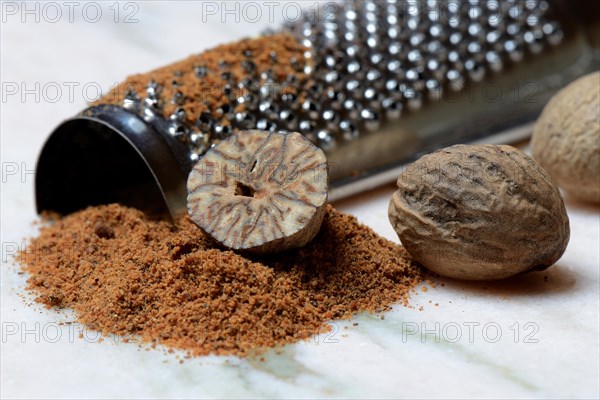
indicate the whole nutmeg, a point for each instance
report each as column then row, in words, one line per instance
column 479, row 212
column 566, row 139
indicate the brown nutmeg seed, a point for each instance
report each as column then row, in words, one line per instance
column 260, row 191
column 566, row 139
column 479, row 212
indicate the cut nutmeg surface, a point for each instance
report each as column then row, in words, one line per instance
column 479, row 213
column 260, row 191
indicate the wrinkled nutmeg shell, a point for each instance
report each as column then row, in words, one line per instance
column 566, row 139
column 479, row 213
column 260, row 191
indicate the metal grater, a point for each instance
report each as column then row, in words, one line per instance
column 380, row 83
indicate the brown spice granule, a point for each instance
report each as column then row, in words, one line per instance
column 182, row 87
column 125, row 273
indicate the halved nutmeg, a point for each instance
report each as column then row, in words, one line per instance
column 260, row 191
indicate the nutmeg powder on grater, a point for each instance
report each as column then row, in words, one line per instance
column 216, row 92
column 124, row 273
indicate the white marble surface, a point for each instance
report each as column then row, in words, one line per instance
column 556, row 353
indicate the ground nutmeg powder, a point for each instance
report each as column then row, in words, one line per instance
column 125, row 273
column 199, row 83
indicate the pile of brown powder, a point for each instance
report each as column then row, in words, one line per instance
column 124, row 273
